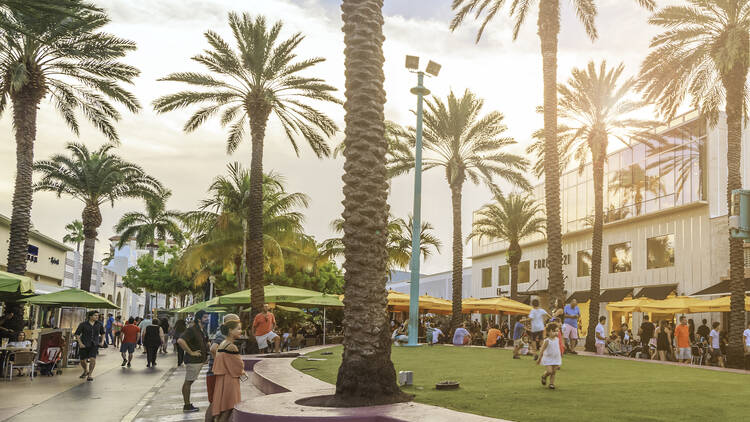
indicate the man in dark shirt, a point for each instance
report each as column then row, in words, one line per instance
column 89, row 336
column 703, row 330
column 195, row 344
column 646, row 332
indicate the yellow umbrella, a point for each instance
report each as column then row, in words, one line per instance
column 629, row 305
column 672, row 305
column 717, row 305
column 496, row 305
column 400, row 302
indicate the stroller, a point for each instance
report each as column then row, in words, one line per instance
column 615, row 349
column 50, row 353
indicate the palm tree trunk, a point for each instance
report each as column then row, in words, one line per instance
column 366, row 374
column 92, row 219
column 259, row 112
column 549, row 28
column 514, row 257
column 243, row 271
column 734, row 84
column 458, row 257
column 596, row 248
column 24, row 122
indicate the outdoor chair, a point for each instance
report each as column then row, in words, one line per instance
column 295, row 343
column 21, row 360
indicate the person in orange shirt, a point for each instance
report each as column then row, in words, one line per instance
column 682, row 335
column 493, row 335
column 263, row 326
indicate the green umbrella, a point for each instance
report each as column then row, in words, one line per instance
column 324, row 300
column 202, row 306
column 72, row 297
column 273, row 294
column 14, row 283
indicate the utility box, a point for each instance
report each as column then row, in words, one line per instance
column 405, row 377
column 739, row 215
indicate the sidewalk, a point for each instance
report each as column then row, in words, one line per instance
column 112, row 394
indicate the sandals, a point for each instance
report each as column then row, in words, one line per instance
column 552, row 386
column 89, row 379
column 84, row 375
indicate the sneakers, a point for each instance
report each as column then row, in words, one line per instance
column 189, row 408
column 544, row 379
column 124, row 362
column 128, row 364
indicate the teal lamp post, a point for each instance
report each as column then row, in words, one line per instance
column 412, row 63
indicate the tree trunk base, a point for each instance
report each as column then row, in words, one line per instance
column 354, row 401
column 365, row 383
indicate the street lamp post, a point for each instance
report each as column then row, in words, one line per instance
column 412, row 63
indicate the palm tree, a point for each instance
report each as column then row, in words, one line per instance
column 548, row 23
column 594, row 105
column 257, row 80
column 398, row 244
column 366, row 373
column 94, row 178
column 704, row 53
column 511, row 219
column 466, row 146
column 152, row 226
column 75, row 65
column 75, row 234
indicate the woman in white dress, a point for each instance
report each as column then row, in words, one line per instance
column 550, row 355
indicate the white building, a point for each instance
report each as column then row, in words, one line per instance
column 104, row 282
column 665, row 225
column 438, row 285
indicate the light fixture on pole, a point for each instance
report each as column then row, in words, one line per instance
column 412, row 63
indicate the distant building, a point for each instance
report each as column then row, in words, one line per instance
column 104, row 282
column 45, row 258
column 437, row 285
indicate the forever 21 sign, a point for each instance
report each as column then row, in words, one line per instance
column 542, row 263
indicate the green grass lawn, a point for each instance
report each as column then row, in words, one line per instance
column 588, row 388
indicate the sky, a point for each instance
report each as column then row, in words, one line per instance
column 507, row 74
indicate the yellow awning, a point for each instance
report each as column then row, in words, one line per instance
column 716, row 305
column 495, row 305
column 672, row 305
column 629, row 305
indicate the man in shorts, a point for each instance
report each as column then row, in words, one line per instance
column 263, row 326
column 682, row 335
column 90, row 336
column 195, row 344
column 538, row 317
column 130, row 334
column 572, row 313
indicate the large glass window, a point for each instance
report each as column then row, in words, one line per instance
column 660, row 251
column 524, row 271
column 620, row 258
column 584, row 263
column 486, row 277
column 504, row 277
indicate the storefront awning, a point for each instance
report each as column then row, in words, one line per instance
column 659, row 292
column 721, row 288
column 580, row 296
column 614, row 295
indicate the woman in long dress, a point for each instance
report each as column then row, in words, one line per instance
column 152, row 340
column 228, row 369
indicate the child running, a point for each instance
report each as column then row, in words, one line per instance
column 550, row 355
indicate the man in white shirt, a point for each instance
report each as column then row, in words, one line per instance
column 538, row 317
column 715, row 344
column 436, row 334
column 601, row 336
column 461, row 336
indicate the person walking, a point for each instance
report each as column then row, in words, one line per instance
column 572, row 314
column 601, row 335
column 646, row 332
column 663, row 340
column 682, row 338
column 109, row 338
column 228, row 369
column 538, row 317
column 550, row 355
column 219, row 338
column 263, row 326
column 90, row 336
column 518, row 331
column 194, row 342
column 703, row 331
column 716, row 344
column 179, row 328
column 130, row 336
column 152, row 341
column 117, row 330
column 164, row 324
column 145, row 322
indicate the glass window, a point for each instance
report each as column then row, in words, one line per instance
column 486, row 277
column 620, row 258
column 660, row 252
column 584, row 263
column 504, row 276
column 524, row 272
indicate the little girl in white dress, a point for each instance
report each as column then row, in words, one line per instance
column 550, row 355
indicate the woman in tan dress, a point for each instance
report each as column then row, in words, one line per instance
column 228, row 368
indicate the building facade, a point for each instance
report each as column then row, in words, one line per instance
column 438, row 285
column 45, row 259
column 104, row 282
column 665, row 223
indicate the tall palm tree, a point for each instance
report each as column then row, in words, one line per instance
column 398, row 244
column 259, row 79
column 74, row 64
column 512, row 218
column 548, row 23
column 75, row 235
column 467, row 146
column 366, row 373
column 148, row 228
column 94, row 178
column 704, row 53
column 595, row 105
